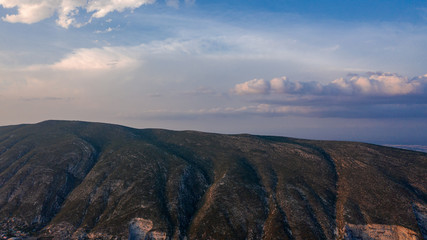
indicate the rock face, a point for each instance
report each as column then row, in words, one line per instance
column 420, row 212
column 378, row 231
column 140, row 228
column 78, row 180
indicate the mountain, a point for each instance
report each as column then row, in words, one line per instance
column 80, row 180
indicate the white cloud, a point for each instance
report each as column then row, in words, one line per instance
column 102, row 8
column 120, row 57
column 36, row 10
column 29, row 11
column 124, row 57
column 96, row 59
column 278, row 84
column 275, row 85
column 66, row 12
column 378, row 84
column 109, row 29
column 255, row 86
column 369, row 84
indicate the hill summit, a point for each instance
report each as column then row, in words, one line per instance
column 80, row 180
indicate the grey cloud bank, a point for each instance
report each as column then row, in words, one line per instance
column 369, row 84
column 371, row 95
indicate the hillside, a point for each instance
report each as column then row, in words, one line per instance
column 79, row 180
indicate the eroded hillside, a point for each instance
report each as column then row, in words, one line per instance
column 77, row 180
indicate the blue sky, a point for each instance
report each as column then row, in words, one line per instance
column 344, row 70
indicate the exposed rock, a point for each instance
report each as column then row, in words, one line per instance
column 421, row 215
column 378, row 232
column 141, row 229
column 63, row 230
column 14, row 227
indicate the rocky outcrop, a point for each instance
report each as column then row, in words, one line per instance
column 379, row 232
column 63, row 230
column 420, row 212
column 142, row 229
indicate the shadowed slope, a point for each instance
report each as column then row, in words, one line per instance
column 90, row 180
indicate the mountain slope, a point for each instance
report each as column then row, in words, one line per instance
column 68, row 179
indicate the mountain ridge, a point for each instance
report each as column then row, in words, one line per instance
column 82, row 180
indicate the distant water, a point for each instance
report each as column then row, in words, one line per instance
column 420, row 148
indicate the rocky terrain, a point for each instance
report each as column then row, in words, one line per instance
column 79, row 180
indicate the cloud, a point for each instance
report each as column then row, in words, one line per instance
column 120, row 57
column 102, row 8
column 255, row 86
column 275, row 85
column 281, row 110
column 109, row 29
column 29, row 11
column 378, row 84
column 176, row 3
column 46, row 99
column 236, row 112
column 67, row 11
column 37, row 10
column 423, row 13
column 201, row 91
column 190, row 2
column 173, row 3
column 124, row 57
column 369, row 84
column 96, row 59
column 371, row 95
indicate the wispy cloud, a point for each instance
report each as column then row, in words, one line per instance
column 265, row 110
column 202, row 91
column 177, row 3
column 107, row 30
column 101, row 59
column 190, row 2
column 173, row 3
column 66, row 10
column 423, row 13
column 46, row 99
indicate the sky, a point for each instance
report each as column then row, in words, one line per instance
column 325, row 69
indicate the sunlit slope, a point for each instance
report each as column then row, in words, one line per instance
column 72, row 179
